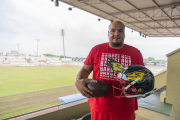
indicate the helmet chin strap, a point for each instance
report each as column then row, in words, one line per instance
column 141, row 95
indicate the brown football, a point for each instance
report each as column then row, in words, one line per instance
column 98, row 87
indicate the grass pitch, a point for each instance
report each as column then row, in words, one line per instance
column 14, row 80
column 48, row 83
column 25, row 102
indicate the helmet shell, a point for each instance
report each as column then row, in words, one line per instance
column 145, row 82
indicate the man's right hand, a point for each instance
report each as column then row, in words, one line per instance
column 81, row 86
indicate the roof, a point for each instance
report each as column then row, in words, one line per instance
column 153, row 18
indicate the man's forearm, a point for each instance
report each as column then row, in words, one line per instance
column 81, row 80
column 82, row 74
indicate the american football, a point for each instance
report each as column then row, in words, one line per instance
column 98, row 87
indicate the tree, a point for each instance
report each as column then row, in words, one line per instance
column 151, row 59
column 61, row 56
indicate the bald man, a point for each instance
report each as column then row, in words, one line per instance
column 109, row 107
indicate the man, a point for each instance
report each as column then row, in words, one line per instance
column 109, row 107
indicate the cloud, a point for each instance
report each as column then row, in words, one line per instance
column 25, row 21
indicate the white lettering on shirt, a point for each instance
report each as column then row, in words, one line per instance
column 106, row 71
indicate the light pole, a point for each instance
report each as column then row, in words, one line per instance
column 62, row 32
column 37, row 45
column 18, row 47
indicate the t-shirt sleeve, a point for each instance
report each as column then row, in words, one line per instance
column 90, row 59
column 140, row 59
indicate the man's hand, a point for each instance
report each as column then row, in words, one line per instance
column 81, row 86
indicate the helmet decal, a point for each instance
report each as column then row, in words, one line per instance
column 135, row 75
column 115, row 65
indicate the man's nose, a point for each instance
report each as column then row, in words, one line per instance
column 116, row 32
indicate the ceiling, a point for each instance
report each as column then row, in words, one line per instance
column 153, row 18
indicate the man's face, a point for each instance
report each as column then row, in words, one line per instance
column 116, row 34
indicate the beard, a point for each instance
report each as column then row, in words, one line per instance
column 116, row 44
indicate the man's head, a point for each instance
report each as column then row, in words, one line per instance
column 116, row 34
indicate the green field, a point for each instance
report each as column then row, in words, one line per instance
column 15, row 80
column 24, row 89
column 22, row 103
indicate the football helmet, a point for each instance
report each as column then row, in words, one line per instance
column 131, row 79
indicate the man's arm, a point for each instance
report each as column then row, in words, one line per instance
column 82, row 78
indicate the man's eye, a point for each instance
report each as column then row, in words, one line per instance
column 121, row 31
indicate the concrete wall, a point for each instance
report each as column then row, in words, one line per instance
column 67, row 112
column 160, row 79
column 173, row 83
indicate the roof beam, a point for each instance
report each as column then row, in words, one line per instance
column 126, row 14
column 162, row 28
column 80, row 4
column 146, row 15
column 105, row 2
column 150, row 8
column 165, row 12
column 161, row 9
column 161, row 20
column 161, row 34
column 87, row 4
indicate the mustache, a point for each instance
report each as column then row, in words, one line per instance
column 116, row 37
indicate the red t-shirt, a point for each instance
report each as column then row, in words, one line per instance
column 97, row 57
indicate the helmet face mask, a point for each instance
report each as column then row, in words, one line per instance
column 121, row 90
column 132, row 79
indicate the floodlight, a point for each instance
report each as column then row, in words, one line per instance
column 18, row 47
column 37, row 45
column 70, row 8
column 56, row 3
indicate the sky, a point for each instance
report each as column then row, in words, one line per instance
column 24, row 21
